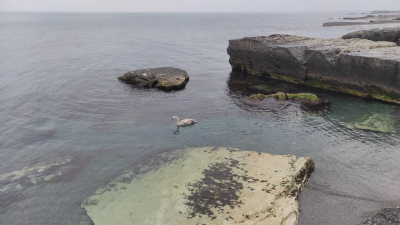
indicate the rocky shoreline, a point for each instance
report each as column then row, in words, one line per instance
column 384, row 17
column 358, row 67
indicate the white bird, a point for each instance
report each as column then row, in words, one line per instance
column 184, row 122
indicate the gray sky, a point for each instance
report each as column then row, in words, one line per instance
column 196, row 5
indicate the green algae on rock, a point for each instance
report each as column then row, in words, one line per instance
column 165, row 78
column 376, row 122
column 308, row 100
column 204, row 186
column 279, row 96
column 307, row 96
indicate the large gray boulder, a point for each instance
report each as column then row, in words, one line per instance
column 384, row 34
column 164, row 78
column 354, row 66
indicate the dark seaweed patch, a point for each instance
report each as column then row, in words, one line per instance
column 220, row 187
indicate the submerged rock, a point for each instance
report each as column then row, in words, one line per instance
column 15, row 183
column 165, row 78
column 306, row 99
column 391, row 34
column 269, row 88
column 205, row 186
column 353, row 66
column 377, row 122
column 384, row 217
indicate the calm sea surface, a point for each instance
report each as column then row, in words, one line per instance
column 68, row 126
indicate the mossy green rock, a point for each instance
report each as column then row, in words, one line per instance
column 164, row 78
column 279, row 96
column 287, row 96
column 306, row 96
column 376, row 122
column 309, row 101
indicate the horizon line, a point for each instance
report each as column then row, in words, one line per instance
column 347, row 10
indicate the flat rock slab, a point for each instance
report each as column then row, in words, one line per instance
column 391, row 34
column 164, row 78
column 204, row 186
column 384, row 217
column 353, row 66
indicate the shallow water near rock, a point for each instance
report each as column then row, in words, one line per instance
column 61, row 99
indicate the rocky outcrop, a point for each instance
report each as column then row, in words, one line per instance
column 384, row 11
column 384, row 217
column 354, row 66
column 308, row 100
column 374, row 17
column 384, row 34
column 335, row 24
column 205, row 186
column 165, row 78
column 331, row 24
column 360, row 18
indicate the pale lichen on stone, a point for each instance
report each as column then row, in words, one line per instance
column 205, row 186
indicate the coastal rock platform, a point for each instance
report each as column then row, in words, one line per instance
column 353, row 66
column 205, row 186
column 164, row 78
column 391, row 34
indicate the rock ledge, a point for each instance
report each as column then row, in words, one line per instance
column 353, row 66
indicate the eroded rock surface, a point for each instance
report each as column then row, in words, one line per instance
column 384, row 217
column 204, row 186
column 354, row 66
column 165, row 78
column 385, row 34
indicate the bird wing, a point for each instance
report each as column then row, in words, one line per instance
column 187, row 121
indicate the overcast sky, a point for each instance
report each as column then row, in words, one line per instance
column 196, row 5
